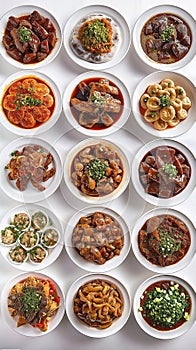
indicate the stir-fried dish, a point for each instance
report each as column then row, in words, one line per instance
column 164, row 105
column 164, row 240
column 96, row 103
column 98, row 303
column 33, row 301
column 32, row 164
column 37, row 254
column 29, row 38
column 97, row 170
column 18, row 254
column 166, row 38
column 98, row 237
column 165, row 305
column 50, row 237
column 164, row 172
column 95, row 38
column 28, row 102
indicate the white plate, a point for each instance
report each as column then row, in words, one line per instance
column 146, row 263
column 90, row 199
column 156, row 77
column 155, row 11
column 170, row 334
column 28, row 330
column 44, row 126
column 84, row 328
column 99, row 133
column 107, row 11
column 24, row 10
column 78, row 259
column 163, row 202
column 52, row 253
column 31, row 194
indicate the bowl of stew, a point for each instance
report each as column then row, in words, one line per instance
column 30, row 103
column 164, row 37
column 164, row 306
column 97, row 239
column 163, row 172
column 96, row 103
column 163, row 240
column 30, row 37
column 96, row 171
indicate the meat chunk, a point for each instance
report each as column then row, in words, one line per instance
column 8, row 42
column 45, row 46
column 40, row 31
column 15, row 54
column 179, row 50
column 29, row 57
column 181, row 31
column 13, row 22
column 150, row 45
column 34, row 43
column 52, row 39
column 21, row 46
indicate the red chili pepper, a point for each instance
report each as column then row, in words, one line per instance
column 57, row 299
column 52, row 285
column 51, row 291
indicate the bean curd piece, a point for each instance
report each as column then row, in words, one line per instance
column 172, row 92
column 167, row 113
column 153, row 104
column 173, row 122
column 177, row 104
column 98, row 303
column 160, row 124
column 153, row 89
column 182, row 114
column 180, row 92
column 151, row 116
column 167, row 83
column 143, row 100
column 186, row 102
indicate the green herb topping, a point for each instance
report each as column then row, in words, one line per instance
column 27, row 101
column 167, row 34
column 30, row 300
column 97, row 169
column 97, row 99
column 166, row 307
column 168, row 245
column 24, row 34
column 171, row 170
column 164, row 101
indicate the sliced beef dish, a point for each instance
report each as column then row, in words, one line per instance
column 164, row 240
column 164, row 172
column 29, row 39
column 166, row 38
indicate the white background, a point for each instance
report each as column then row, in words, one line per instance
column 131, row 70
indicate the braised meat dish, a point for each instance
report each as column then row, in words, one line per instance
column 33, row 163
column 164, row 240
column 164, row 172
column 28, row 102
column 96, row 103
column 98, row 237
column 97, row 170
column 166, row 38
column 30, row 38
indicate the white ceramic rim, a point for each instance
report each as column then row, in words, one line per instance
column 27, row 330
column 90, row 199
column 44, row 230
column 44, row 126
column 156, row 77
column 170, row 334
column 53, row 253
column 146, row 263
column 84, row 328
column 78, row 259
column 145, row 16
column 163, row 202
column 21, row 11
column 114, row 127
column 108, row 11
column 30, row 195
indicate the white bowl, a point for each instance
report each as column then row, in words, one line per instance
column 44, row 126
column 44, row 214
column 146, row 263
column 78, row 259
column 155, row 78
column 4, row 244
column 31, row 194
column 53, row 254
column 22, row 11
column 151, row 12
column 83, row 327
column 125, row 41
column 34, row 262
column 15, row 263
column 90, row 199
column 163, row 202
column 28, row 330
column 90, row 132
column 169, row 334
column 33, row 246
column 45, row 229
column 24, row 212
